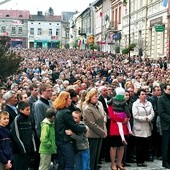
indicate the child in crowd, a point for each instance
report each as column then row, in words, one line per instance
column 47, row 140
column 5, row 143
column 82, row 158
column 23, row 138
column 121, row 110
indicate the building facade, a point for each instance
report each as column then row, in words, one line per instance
column 14, row 23
column 148, row 27
column 44, row 31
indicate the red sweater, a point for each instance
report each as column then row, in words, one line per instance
column 114, row 130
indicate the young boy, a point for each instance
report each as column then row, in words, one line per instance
column 23, row 138
column 47, row 140
column 82, row 157
column 5, row 144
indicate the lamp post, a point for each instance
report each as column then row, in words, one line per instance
column 124, row 4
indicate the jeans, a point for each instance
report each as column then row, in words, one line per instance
column 66, row 156
column 82, row 160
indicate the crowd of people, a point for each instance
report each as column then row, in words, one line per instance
column 77, row 108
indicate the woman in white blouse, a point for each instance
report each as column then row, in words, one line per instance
column 143, row 114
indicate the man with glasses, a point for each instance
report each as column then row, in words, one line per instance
column 11, row 100
column 164, row 113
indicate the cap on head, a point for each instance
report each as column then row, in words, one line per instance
column 120, row 91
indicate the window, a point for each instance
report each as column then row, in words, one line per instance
column 57, row 31
column 3, row 29
column 13, row 31
column 7, row 15
column 39, row 31
column 31, row 31
column 50, row 32
column 20, row 30
column 20, row 16
column 67, row 34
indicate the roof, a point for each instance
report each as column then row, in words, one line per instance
column 17, row 14
column 52, row 18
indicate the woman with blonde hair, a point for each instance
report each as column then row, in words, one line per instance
column 64, row 121
column 95, row 118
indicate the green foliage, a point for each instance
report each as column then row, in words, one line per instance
column 51, row 11
column 125, row 51
column 132, row 46
column 9, row 61
column 91, row 46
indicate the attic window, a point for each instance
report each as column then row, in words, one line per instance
column 7, row 15
column 50, row 23
column 39, row 23
column 20, row 16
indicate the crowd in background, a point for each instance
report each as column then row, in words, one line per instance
column 90, row 80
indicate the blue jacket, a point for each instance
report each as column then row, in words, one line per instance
column 5, row 145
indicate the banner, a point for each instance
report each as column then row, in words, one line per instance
column 165, row 3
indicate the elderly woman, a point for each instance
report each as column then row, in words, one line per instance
column 64, row 121
column 143, row 114
column 95, row 118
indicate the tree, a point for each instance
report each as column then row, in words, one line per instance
column 51, row 11
column 9, row 60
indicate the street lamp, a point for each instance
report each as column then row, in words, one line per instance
column 124, row 4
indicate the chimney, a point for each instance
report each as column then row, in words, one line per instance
column 39, row 13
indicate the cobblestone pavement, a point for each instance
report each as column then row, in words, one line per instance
column 155, row 165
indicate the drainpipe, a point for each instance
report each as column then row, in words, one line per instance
column 146, row 20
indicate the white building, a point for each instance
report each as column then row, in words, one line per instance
column 148, row 27
column 44, row 31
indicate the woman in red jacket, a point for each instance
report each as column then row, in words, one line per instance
column 116, row 143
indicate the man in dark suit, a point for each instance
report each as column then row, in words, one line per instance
column 103, row 98
column 11, row 101
column 164, row 113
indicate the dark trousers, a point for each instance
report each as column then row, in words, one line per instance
column 141, row 149
column 105, row 148
column 129, row 153
column 157, row 144
column 95, row 148
column 66, row 156
column 20, row 162
column 166, row 146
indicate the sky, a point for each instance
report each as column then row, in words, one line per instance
column 43, row 5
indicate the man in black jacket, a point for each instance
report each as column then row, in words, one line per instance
column 164, row 113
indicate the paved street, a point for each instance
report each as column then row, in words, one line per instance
column 156, row 165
